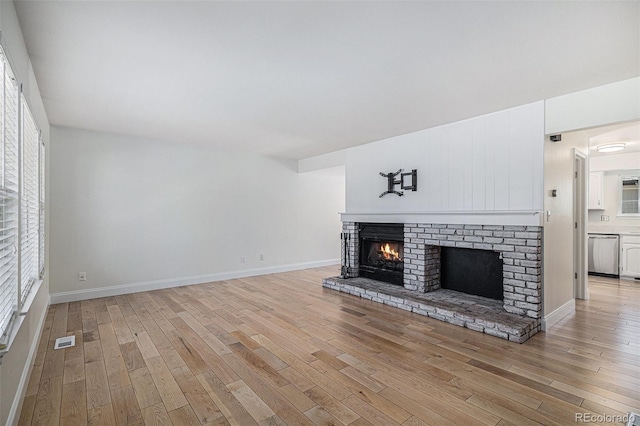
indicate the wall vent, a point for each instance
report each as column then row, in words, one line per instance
column 65, row 342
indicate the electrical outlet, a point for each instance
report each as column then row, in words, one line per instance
column 604, row 218
column 262, row 257
column 82, row 276
column 242, row 259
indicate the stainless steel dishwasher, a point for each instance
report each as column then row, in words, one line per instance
column 603, row 254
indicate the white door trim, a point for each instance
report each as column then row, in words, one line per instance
column 580, row 240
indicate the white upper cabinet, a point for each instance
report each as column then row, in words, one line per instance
column 596, row 193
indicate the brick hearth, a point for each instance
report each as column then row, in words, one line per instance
column 473, row 312
column 520, row 251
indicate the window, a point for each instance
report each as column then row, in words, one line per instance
column 9, row 99
column 629, row 196
column 21, row 202
column 41, row 233
column 29, row 202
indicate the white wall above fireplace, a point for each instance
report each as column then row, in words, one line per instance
column 485, row 170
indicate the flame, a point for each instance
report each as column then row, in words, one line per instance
column 388, row 252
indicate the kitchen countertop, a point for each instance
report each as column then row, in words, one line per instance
column 620, row 230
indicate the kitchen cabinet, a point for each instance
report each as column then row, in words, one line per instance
column 630, row 256
column 596, row 193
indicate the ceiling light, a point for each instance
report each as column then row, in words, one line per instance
column 610, row 147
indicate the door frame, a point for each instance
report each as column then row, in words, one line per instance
column 580, row 236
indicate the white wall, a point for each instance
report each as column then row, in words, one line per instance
column 611, row 191
column 558, row 230
column 16, row 365
column 488, row 164
column 614, row 166
column 141, row 214
column 610, row 162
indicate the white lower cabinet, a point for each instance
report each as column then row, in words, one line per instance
column 630, row 256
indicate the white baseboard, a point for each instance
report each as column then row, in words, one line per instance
column 73, row 296
column 16, row 406
column 552, row 319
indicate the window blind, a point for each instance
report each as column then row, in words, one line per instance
column 9, row 101
column 30, row 202
column 42, row 210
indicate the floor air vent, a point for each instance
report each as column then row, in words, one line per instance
column 65, row 342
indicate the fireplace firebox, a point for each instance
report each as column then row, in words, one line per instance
column 381, row 251
column 471, row 271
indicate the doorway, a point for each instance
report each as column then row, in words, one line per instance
column 580, row 282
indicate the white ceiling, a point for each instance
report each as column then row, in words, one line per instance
column 297, row 79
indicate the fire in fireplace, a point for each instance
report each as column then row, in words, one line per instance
column 385, row 255
column 381, row 248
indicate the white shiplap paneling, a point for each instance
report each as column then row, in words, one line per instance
column 491, row 163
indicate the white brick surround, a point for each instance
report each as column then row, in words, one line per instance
column 519, row 247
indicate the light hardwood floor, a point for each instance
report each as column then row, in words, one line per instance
column 280, row 349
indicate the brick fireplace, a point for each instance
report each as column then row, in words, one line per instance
column 516, row 317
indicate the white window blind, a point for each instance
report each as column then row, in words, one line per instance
column 30, row 203
column 22, row 171
column 42, row 205
column 9, row 101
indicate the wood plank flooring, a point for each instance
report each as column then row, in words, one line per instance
column 280, row 349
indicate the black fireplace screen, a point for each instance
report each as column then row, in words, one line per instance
column 471, row 271
column 381, row 251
